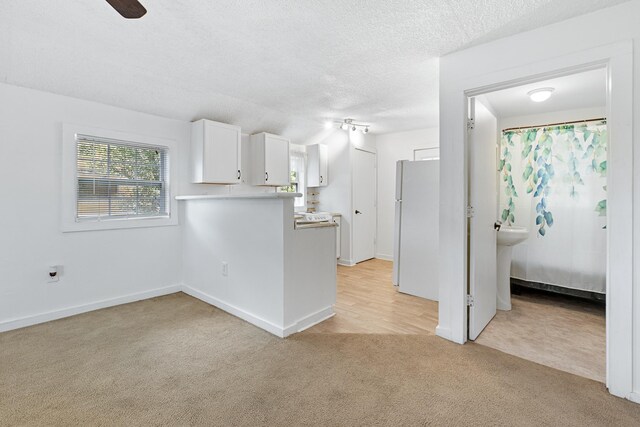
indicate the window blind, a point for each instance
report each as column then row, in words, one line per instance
column 120, row 179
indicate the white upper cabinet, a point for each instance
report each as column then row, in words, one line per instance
column 317, row 159
column 270, row 160
column 215, row 153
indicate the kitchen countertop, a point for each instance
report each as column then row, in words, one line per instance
column 304, row 224
column 241, row 196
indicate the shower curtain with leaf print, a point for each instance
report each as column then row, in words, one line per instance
column 553, row 182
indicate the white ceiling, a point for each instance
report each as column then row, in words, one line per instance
column 583, row 90
column 279, row 66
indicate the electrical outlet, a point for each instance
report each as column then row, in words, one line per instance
column 225, row 269
column 54, row 274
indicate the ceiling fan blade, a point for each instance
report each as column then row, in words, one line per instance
column 130, row 9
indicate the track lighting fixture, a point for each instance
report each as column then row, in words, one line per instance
column 353, row 126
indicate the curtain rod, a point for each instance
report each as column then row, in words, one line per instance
column 600, row 119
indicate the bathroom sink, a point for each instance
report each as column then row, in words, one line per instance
column 510, row 236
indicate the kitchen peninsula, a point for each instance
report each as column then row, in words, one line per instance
column 243, row 254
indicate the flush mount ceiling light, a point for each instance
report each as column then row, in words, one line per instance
column 540, row 95
column 350, row 124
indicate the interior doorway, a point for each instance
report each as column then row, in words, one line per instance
column 364, row 205
column 537, row 228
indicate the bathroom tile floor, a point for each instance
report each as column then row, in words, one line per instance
column 554, row 330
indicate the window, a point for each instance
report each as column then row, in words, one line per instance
column 115, row 180
column 297, row 179
column 118, row 179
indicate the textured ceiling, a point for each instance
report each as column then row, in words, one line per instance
column 583, row 90
column 280, row 66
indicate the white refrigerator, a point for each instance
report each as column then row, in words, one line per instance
column 415, row 249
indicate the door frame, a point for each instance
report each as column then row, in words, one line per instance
column 375, row 201
column 617, row 59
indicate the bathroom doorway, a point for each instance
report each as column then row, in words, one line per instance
column 537, row 225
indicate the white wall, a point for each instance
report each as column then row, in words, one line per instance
column 310, row 276
column 97, row 265
column 562, row 45
column 337, row 196
column 391, row 148
column 99, row 268
column 228, row 230
column 273, row 280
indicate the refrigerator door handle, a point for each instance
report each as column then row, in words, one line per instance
column 395, row 278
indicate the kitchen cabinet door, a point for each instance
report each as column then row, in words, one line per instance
column 317, row 168
column 270, row 159
column 215, row 153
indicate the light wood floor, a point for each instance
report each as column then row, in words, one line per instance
column 367, row 302
column 558, row 332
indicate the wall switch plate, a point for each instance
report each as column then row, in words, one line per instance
column 225, row 269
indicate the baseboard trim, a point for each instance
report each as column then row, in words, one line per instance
column 634, row 397
column 231, row 309
column 309, row 321
column 35, row 319
column 384, row 257
column 443, row 332
column 346, row 263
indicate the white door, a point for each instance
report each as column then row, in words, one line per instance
column 364, row 205
column 482, row 142
column 418, row 255
column 276, row 160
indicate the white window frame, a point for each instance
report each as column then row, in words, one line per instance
column 299, row 203
column 69, row 221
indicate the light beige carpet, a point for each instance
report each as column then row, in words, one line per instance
column 177, row 361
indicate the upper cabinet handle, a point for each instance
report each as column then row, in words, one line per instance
column 266, row 176
column 239, row 174
column 321, row 178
